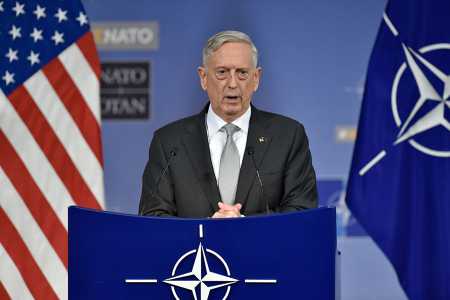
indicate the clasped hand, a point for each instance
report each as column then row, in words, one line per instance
column 228, row 211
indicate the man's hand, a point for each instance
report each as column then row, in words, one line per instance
column 228, row 211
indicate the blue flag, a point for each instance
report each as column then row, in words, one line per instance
column 399, row 184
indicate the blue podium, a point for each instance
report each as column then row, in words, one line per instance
column 279, row 256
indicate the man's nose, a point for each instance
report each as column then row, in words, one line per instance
column 232, row 82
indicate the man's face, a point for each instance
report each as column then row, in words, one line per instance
column 230, row 79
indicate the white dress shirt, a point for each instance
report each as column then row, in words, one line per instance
column 217, row 138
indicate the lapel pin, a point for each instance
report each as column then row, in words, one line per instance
column 261, row 139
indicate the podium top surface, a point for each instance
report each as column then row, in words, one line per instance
column 74, row 210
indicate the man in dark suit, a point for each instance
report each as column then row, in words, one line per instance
column 231, row 159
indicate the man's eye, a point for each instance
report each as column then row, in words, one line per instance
column 221, row 73
column 243, row 74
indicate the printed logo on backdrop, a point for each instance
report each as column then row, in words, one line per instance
column 126, row 35
column 345, row 134
column 332, row 194
column 125, row 90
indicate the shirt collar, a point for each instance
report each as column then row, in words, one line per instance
column 214, row 123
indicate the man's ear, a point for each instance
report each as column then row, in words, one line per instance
column 202, row 74
column 257, row 77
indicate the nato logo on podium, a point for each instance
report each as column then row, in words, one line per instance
column 200, row 280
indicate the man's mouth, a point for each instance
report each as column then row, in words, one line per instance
column 232, row 98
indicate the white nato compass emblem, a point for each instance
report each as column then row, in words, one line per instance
column 428, row 94
column 431, row 109
column 200, row 280
column 201, row 277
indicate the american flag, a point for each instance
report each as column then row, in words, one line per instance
column 50, row 140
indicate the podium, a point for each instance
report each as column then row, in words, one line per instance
column 279, row 256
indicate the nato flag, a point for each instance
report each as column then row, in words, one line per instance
column 399, row 184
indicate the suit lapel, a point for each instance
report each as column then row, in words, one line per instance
column 259, row 140
column 196, row 143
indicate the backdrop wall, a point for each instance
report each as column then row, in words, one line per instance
column 314, row 56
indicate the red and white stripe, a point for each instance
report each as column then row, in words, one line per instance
column 50, row 158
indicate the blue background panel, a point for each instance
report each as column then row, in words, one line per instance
column 314, row 56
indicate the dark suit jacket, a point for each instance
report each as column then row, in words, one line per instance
column 189, row 188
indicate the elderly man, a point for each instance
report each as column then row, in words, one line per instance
column 231, row 159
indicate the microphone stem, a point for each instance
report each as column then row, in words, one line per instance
column 251, row 152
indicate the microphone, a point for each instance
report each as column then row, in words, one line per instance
column 251, row 152
column 172, row 154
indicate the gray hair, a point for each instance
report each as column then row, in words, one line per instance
column 229, row 36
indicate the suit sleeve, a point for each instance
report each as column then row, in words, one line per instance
column 157, row 199
column 300, row 190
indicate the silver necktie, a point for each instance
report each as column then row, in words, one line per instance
column 229, row 166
